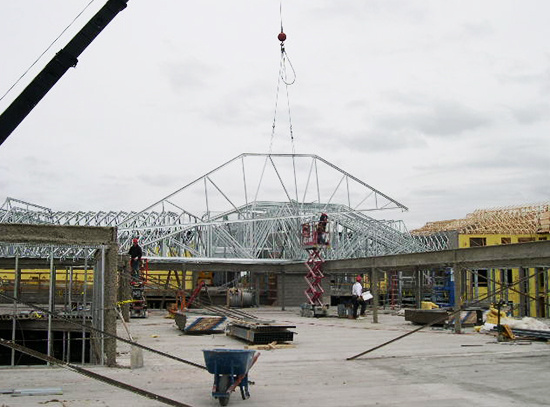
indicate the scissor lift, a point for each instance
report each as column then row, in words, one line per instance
column 138, row 306
column 314, row 239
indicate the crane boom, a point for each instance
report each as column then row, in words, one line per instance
column 66, row 58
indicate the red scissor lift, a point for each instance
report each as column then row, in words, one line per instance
column 314, row 237
column 138, row 306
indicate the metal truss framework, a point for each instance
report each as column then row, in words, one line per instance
column 251, row 207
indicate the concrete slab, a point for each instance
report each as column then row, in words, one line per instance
column 428, row 368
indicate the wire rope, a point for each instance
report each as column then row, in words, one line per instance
column 286, row 75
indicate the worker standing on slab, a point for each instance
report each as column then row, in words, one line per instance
column 357, row 298
column 135, row 253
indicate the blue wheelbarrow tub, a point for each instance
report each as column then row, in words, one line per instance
column 228, row 361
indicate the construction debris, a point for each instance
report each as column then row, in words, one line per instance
column 201, row 325
column 511, row 328
column 271, row 346
column 33, row 392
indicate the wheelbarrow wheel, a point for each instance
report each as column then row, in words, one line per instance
column 223, row 385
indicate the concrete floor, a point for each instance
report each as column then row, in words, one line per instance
column 428, row 368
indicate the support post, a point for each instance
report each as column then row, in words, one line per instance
column 523, row 288
column 547, row 291
column 124, row 290
column 491, row 288
column 84, row 307
column 51, row 306
column 109, row 270
column 457, row 275
column 17, row 282
column 418, row 279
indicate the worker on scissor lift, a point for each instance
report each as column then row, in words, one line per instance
column 135, row 253
column 322, row 229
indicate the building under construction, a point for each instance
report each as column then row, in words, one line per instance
column 501, row 226
column 239, row 229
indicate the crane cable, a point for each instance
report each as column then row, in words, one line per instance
column 285, row 70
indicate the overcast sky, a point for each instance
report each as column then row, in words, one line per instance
column 442, row 105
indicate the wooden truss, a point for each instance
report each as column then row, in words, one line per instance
column 523, row 219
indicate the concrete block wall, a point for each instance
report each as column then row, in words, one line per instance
column 294, row 287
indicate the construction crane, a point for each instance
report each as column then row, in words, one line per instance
column 66, row 58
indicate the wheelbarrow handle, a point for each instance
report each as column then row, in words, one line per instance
column 240, row 377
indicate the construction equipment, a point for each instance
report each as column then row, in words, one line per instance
column 444, row 289
column 201, row 325
column 230, row 369
column 181, row 303
column 314, row 237
column 138, row 306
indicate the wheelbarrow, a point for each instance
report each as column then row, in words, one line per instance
column 230, row 369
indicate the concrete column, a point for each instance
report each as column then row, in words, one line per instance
column 124, row 289
column 523, row 288
column 418, row 280
column 458, row 277
column 110, row 297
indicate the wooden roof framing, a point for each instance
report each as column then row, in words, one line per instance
column 517, row 220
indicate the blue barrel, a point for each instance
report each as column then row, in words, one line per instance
column 228, row 361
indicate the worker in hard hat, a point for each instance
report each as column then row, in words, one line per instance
column 135, row 253
column 357, row 298
column 322, row 230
